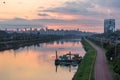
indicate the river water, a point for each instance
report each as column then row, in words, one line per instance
column 37, row 62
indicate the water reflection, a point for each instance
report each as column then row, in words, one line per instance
column 70, row 68
column 37, row 62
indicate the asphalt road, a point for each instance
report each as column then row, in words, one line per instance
column 102, row 71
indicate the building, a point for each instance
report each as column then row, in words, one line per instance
column 109, row 25
column 17, row 30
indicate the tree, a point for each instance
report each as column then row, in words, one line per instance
column 117, row 65
column 110, row 53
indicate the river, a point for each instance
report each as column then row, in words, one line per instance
column 37, row 62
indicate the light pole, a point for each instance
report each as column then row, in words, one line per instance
column 115, row 47
column 102, row 42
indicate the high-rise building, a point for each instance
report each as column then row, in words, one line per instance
column 17, row 29
column 109, row 25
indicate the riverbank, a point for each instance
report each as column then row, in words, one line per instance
column 86, row 68
column 15, row 44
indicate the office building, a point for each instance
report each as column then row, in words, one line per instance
column 109, row 25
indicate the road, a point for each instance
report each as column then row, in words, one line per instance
column 102, row 71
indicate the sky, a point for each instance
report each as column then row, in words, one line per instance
column 87, row 15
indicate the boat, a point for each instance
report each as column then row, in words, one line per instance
column 68, row 59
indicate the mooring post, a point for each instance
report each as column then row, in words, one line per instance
column 56, row 55
column 70, row 55
column 69, row 68
column 56, row 67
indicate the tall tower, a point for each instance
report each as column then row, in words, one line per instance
column 109, row 25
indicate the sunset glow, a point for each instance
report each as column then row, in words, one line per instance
column 81, row 12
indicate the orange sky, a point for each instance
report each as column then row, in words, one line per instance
column 89, row 14
column 25, row 8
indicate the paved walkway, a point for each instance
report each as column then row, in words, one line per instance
column 102, row 71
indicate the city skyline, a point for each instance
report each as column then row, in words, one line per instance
column 87, row 15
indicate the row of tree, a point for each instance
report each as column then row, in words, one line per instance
column 16, row 40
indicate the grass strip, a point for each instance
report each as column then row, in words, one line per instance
column 86, row 68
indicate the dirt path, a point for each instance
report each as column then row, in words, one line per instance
column 102, row 71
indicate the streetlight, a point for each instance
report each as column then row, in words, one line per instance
column 102, row 42
column 115, row 47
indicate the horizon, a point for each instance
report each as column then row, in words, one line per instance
column 39, row 29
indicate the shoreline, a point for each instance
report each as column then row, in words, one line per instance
column 16, row 44
column 22, row 43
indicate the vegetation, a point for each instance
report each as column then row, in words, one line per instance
column 114, row 63
column 117, row 65
column 86, row 68
column 110, row 53
column 112, row 57
column 16, row 40
column 15, row 44
column 102, row 44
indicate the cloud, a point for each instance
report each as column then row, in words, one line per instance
column 88, row 12
column 108, row 3
column 41, row 7
column 42, row 14
column 19, row 23
column 75, row 8
column 94, row 8
column 20, row 2
column 68, row 7
column 97, row 9
column 114, row 3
